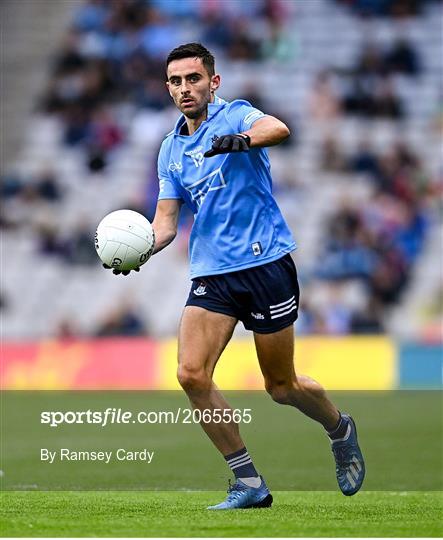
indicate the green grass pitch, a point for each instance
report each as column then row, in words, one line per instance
column 162, row 514
column 400, row 434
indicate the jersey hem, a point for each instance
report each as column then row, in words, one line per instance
column 245, row 266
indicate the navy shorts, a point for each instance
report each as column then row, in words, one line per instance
column 265, row 298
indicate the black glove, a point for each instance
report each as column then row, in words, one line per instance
column 229, row 143
column 117, row 272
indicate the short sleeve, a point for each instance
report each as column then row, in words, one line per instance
column 167, row 189
column 242, row 115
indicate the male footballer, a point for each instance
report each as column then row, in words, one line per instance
column 215, row 161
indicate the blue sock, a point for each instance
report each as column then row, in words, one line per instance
column 241, row 464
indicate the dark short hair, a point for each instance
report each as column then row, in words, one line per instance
column 193, row 50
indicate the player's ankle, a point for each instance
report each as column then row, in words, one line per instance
column 252, row 481
column 339, row 431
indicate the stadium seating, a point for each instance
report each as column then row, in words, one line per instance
column 42, row 290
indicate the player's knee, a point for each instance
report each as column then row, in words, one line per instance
column 192, row 379
column 280, row 392
column 305, row 384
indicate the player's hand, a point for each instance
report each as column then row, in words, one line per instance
column 225, row 144
column 117, row 272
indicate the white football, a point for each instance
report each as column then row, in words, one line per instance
column 124, row 240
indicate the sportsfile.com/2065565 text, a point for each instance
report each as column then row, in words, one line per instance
column 113, row 415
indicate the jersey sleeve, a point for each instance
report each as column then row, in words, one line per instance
column 167, row 189
column 242, row 115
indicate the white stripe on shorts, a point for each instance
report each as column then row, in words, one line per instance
column 282, row 303
column 284, row 313
column 274, row 311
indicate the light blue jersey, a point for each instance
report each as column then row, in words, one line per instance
column 237, row 223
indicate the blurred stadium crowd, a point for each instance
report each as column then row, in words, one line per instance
column 359, row 83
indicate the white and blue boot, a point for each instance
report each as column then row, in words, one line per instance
column 241, row 496
column 349, row 462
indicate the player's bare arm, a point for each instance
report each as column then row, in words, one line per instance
column 165, row 222
column 267, row 131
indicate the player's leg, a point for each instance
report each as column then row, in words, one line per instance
column 276, row 357
column 275, row 353
column 202, row 338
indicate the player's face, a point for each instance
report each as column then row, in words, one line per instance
column 190, row 86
